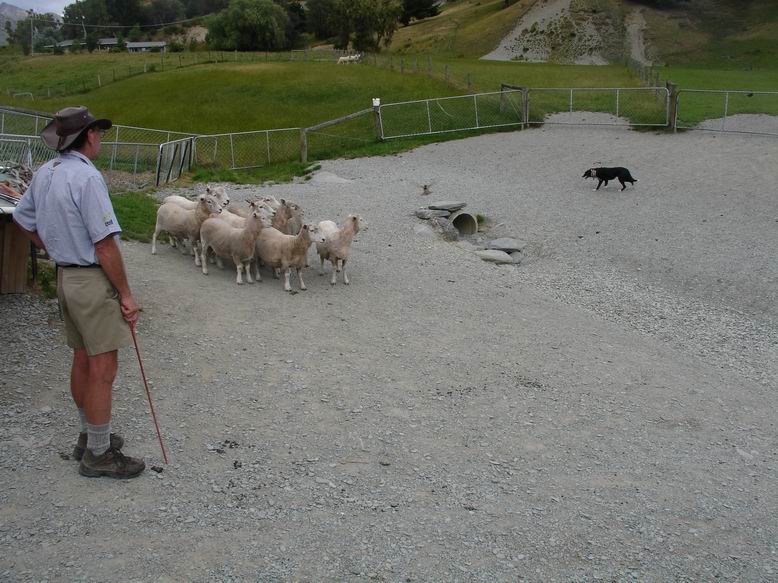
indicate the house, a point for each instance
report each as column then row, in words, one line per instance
column 106, row 44
column 145, row 46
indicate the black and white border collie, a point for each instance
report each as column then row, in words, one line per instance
column 607, row 174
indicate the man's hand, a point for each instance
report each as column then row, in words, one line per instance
column 130, row 308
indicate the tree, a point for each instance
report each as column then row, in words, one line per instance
column 162, row 11
column 124, row 12
column 135, row 35
column 419, row 9
column 91, row 41
column 373, row 22
column 247, row 25
column 320, row 18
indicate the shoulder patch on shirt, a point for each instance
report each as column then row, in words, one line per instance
column 108, row 219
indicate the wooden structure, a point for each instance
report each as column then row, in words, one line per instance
column 14, row 253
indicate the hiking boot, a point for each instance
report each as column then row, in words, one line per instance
column 113, row 464
column 117, row 442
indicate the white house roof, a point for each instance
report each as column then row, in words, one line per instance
column 146, row 44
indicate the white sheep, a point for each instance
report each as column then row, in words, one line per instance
column 217, row 192
column 280, row 251
column 337, row 244
column 237, row 243
column 288, row 218
column 181, row 223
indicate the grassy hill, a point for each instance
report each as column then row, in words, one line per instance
column 226, row 97
column 708, row 33
column 716, row 33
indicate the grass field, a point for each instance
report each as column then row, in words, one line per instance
column 463, row 29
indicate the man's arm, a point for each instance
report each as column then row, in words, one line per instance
column 31, row 235
column 111, row 261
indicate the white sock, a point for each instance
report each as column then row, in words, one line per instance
column 98, row 438
column 82, row 417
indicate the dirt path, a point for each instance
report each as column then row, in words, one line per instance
column 605, row 410
column 636, row 25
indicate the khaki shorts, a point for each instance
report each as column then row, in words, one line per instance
column 90, row 309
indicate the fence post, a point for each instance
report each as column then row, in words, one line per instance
column 303, row 146
column 99, row 81
column 672, row 105
column 524, row 106
column 379, row 125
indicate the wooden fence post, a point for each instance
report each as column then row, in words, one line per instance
column 303, row 146
column 673, row 104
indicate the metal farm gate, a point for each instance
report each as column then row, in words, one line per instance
column 727, row 111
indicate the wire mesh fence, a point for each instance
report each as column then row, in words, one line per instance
column 451, row 114
column 746, row 112
column 337, row 137
column 247, row 149
column 128, row 157
column 630, row 106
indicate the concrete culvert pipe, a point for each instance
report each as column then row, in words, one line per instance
column 464, row 222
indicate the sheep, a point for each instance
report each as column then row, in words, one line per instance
column 266, row 213
column 217, row 192
column 337, row 244
column 237, row 243
column 181, row 223
column 288, row 218
column 281, row 251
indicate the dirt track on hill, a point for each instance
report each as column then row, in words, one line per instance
column 603, row 411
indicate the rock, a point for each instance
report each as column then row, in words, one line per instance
column 445, row 228
column 423, row 231
column 517, row 257
column 495, row 256
column 428, row 214
column 507, row 244
column 447, row 205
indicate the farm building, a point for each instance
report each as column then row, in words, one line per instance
column 142, row 47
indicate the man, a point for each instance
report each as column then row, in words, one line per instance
column 67, row 211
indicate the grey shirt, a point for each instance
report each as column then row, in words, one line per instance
column 67, row 204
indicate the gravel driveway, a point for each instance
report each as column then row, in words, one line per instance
column 603, row 411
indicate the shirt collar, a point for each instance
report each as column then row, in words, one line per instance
column 78, row 155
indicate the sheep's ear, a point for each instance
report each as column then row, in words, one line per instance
column 283, row 201
column 252, row 204
column 208, row 188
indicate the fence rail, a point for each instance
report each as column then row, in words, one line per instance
column 451, row 114
column 718, row 110
column 629, row 106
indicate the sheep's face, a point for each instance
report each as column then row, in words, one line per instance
column 361, row 224
column 314, row 233
column 219, row 193
column 211, row 204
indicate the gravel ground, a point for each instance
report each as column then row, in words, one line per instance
column 602, row 411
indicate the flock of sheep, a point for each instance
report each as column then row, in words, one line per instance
column 268, row 232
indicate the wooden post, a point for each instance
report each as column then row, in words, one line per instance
column 99, row 81
column 673, row 105
column 379, row 132
column 14, row 251
column 303, row 146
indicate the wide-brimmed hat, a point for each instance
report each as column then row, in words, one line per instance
column 67, row 124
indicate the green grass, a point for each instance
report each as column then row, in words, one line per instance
column 464, row 28
column 231, row 98
column 137, row 214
